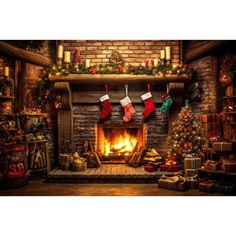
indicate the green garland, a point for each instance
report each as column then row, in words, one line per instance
column 160, row 69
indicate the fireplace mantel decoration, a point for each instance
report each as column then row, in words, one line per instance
column 160, row 70
column 75, row 89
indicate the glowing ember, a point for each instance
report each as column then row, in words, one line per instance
column 121, row 145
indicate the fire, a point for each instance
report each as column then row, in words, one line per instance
column 121, row 145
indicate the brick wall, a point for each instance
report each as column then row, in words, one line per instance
column 86, row 116
column 133, row 51
column 206, row 68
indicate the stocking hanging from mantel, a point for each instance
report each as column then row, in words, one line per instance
column 148, row 101
column 127, row 105
column 106, row 106
column 166, row 101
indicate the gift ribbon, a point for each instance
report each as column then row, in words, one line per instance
column 148, row 87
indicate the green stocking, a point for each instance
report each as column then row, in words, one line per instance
column 166, row 104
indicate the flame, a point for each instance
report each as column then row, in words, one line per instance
column 123, row 144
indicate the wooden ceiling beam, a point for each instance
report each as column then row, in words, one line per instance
column 25, row 55
column 204, row 50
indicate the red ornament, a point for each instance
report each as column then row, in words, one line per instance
column 190, row 129
column 180, row 150
column 93, row 70
column 120, row 69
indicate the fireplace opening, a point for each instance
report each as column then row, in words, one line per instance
column 118, row 142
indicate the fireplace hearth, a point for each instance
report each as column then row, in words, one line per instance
column 118, row 141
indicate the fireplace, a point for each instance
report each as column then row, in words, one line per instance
column 117, row 142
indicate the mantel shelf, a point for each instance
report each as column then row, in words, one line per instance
column 118, row 78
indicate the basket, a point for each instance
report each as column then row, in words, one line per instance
column 80, row 167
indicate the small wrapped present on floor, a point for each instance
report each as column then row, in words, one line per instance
column 192, row 163
column 192, row 182
column 212, row 165
column 149, row 167
column 170, row 165
column 229, row 166
column 225, row 187
column 206, row 186
column 191, row 172
column 177, row 183
column 222, row 146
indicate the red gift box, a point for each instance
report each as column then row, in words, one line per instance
column 169, row 168
column 149, row 168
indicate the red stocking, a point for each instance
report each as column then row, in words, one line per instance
column 149, row 105
column 106, row 106
column 128, row 107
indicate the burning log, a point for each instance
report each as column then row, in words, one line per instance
column 117, row 150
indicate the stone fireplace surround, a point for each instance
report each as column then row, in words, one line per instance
column 79, row 115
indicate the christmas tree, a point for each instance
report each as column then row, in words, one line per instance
column 187, row 138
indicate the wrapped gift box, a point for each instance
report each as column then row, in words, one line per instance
column 206, row 186
column 229, row 166
column 212, row 165
column 169, row 168
column 192, row 183
column 149, row 168
column 192, row 163
column 222, row 146
column 172, row 185
column 222, row 187
column 191, row 172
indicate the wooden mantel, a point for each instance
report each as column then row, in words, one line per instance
column 118, row 78
column 69, row 94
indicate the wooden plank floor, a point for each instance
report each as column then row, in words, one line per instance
column 108, row 173
column 40, row 188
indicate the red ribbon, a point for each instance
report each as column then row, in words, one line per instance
column 106, row 87
column 148, row 87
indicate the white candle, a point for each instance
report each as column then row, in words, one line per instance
column 6, row 71
column 67, row 57
column 87, row 63
column 60, row 51
column 162, row 54
column 168, row 54
column 155, row 61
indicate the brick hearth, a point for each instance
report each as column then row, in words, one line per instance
column 107, row 173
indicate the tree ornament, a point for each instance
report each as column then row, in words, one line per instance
column 149, row 105
column 106, row 106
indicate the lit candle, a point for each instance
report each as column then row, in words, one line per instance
column 156, row 61
column 60, row 51
column 162, row 54
column 87, row 63
column 168, row 54
column 67, row 57
column 6, row 71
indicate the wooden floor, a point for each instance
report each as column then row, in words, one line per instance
column 40, row 188
column 107, row 173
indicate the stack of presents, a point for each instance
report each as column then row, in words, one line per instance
column 216, row 172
